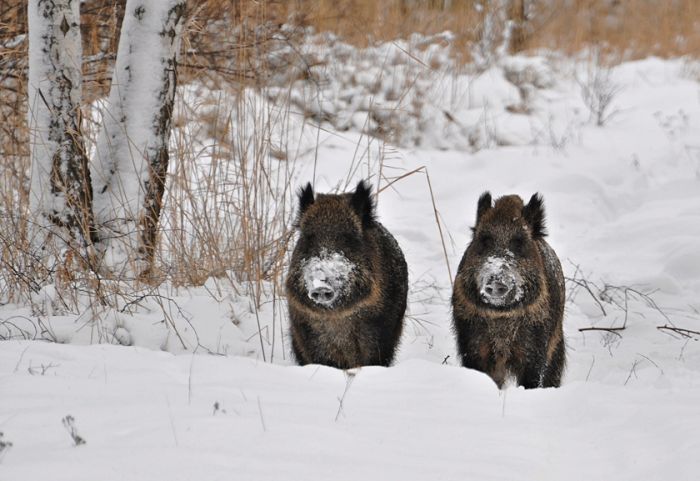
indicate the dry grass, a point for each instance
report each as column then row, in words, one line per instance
column 226, row 209
column 630, row 28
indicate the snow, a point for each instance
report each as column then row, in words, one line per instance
column 504, row 270
column 198, row 382
column 148, row 415
column 330, row 270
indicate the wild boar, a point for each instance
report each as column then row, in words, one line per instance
column 347, row 282
column 508, row 296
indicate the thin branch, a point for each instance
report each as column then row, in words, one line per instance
column 349, row 378
column 613, row 330
column 584, row 283
column 679, row 330
column 262, row 418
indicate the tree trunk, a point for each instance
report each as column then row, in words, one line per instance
column 518, row 17
column 132, row 150
column 60, row 190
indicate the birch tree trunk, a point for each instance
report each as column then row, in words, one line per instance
column 132, row 150
column 60, row 190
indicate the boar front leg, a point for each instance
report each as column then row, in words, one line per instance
column 535, row 359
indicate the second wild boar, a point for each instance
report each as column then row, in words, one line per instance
column 508, row 296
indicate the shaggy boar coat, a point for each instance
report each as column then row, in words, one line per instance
column 347, row 283
column 508, row 297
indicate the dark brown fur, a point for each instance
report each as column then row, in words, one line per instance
column 365, row 325
column 524, row 338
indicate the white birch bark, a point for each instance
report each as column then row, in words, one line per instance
column 132, row 149
column 60, row 192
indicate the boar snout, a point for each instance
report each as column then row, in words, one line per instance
column 326, row 277
column 495, row 288
column 499, row 282
column 322, row 295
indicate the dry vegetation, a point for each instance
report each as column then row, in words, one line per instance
column 630, row 28
column 222, row 46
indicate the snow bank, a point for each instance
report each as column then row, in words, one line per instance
column 410, row 92
column 148, row 415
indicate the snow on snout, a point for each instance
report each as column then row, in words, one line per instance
column 330, row 270
column 503, row 270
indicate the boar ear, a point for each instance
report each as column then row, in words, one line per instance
column 483, row 206
column 533, row 213
column 306, row 198
column 362, row 203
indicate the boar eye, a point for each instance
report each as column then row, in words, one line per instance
column 350, row 238
column 308, row 237
column 517, row 244
column 484, row 242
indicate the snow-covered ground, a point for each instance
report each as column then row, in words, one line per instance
column 623, row 208
column 148, row 415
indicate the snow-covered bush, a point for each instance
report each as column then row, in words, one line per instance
column 528, row 74
column 599, row 90
column 388, row 91
column 409, row 92
column 494, row 34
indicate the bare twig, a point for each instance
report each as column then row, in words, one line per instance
column 349, row 378
column 633, row 371
column 679, row 330
column 620, row 297
column 172, row 421
column 613, row 330
column 4, row 446
column 41, row 370
column 19, row 361
column 437, row 222
column 590, row 369
column 651, row 361
column 69, row 424
column 189, row 380
column 257, row 320
column 436, row 213
column 262, row 418
column 586, row 285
